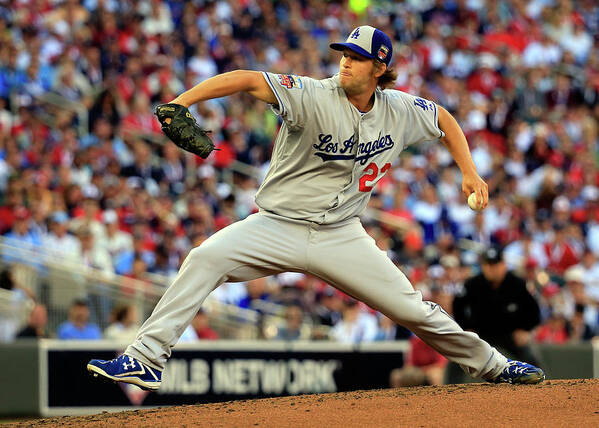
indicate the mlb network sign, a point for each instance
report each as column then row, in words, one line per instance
column 249, row 376
column 213, row 371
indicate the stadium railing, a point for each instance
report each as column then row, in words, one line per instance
column 57, row 281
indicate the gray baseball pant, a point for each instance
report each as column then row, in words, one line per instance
column 341, row 254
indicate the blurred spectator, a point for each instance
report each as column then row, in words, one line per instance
column 116, row 241
column 140, row 121
column 355, row 326
column 388, row 330
column 200, row 324
column 427, row 211
column 328, row 307
column 21, row 239
column 553, row 331
column 89, row 215
column 525, row 250
column 578, row 330
column 593, row 237
column 589, row 266
column 257, row 293
column 124, row 325
column 78, row 326
column 93, row 255
column 486, row 78
column 36, row 325
column 59, row 242
column 461, row 217
column 292, row 330
column 143, row 166
column 15, row 301
column 541, row 51
column 230, row 293
column 496, row 305
column 137, row 281
column 125, row 260
column 497, row 216
column 199, row 329
column 157, row 18
column 13, row 198
column 560, row 252
column 574, row 297
column 172, row 168
column 423, row 366
column 202, row 64
column 72, row 84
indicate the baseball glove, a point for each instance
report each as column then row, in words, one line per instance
column 183, row 129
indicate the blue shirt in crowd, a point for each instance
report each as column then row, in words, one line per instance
column 67, row 330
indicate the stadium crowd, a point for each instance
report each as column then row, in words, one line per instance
column 105, row 188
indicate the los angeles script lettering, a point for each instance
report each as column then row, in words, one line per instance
column 327, row 149
column 325, row 144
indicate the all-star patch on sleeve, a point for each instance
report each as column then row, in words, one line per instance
column 422, row 118
column 294, row 97
column 290, row 81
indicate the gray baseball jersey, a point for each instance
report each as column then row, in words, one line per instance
column 328, row 156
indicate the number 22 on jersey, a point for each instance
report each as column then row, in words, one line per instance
column 372, row 172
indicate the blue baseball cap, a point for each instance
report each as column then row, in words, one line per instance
column 60, row 217
column 369, row 42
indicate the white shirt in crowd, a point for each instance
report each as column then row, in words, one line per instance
column 515, row 257
column 363, row 329
column 67, row 246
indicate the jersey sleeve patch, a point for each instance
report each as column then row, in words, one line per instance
column 432, row 107
column 290, row 81
column 424, row 104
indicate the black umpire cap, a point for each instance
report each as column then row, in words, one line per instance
column 492, row 255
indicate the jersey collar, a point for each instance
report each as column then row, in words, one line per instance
column 377, row 94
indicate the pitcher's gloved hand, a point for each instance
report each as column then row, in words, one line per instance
column 183, row 130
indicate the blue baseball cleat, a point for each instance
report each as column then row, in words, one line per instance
column 128, row 370
column 519, row 372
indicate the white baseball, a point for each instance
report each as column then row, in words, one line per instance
column 473, row 202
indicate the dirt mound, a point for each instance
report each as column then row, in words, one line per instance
column 552, row 403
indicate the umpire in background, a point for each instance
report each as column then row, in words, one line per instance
column 496, row 305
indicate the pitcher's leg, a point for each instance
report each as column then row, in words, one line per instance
column 255, row 247
column 362, row 270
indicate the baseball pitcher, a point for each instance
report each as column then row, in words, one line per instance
column 338, row 139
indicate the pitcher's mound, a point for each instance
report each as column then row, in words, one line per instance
column 552, row 403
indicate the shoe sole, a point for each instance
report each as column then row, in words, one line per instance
column 97, row 372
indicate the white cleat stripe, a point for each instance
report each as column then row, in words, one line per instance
column 152, row 373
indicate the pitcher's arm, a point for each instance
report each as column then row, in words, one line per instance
column 225, row 84
column 456, row 143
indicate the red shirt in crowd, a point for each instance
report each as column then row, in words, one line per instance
column 549, row 333
column 561, row 256
column 422, row 355
column 206, row 333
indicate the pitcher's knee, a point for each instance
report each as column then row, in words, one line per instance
column 200, row 256
column 416, row 314
column 210, row 260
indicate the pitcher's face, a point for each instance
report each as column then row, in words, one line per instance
column 356, row 72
